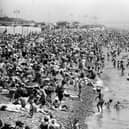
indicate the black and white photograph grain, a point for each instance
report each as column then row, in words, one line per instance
column 64, row 64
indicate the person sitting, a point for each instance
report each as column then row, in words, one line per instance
column 76, row 124
column 27, row 127
column 44, row 123
column 19, row 125
column 53, row 124
column 56, row 103
column 7, row 126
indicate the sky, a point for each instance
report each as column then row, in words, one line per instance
column 108, row 12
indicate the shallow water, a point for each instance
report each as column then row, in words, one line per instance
column 109, row 120
column 116, row 88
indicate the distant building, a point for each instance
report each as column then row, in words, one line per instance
column 62, row 24
column 93, row 27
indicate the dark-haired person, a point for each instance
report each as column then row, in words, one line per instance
column 108, row 104
column 60, row 92
column 44, row 123
column 80, row 85
column 100, row 103
column 1, row 124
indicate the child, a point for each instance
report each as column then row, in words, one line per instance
column 117, row 105
column 108, row 104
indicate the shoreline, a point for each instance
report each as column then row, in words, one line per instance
column 79, row 109
column 85, row 108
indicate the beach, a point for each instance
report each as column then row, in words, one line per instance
column 78, row 110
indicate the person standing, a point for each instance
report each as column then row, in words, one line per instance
column 122, row 67
column 60, row 92
column 100, row 101
column 80, row 85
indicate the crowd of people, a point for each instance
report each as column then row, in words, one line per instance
column 38, row 65
column 48, row 122
column 117, row 53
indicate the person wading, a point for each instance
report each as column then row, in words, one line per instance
column 100, row 101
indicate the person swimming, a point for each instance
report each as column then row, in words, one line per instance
column 117, row 106
column 108, row 104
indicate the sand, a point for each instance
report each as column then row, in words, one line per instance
column 77, row 109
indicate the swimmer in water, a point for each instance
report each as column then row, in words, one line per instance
column 108, row 104
column 117, row 105
column 100, row 101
